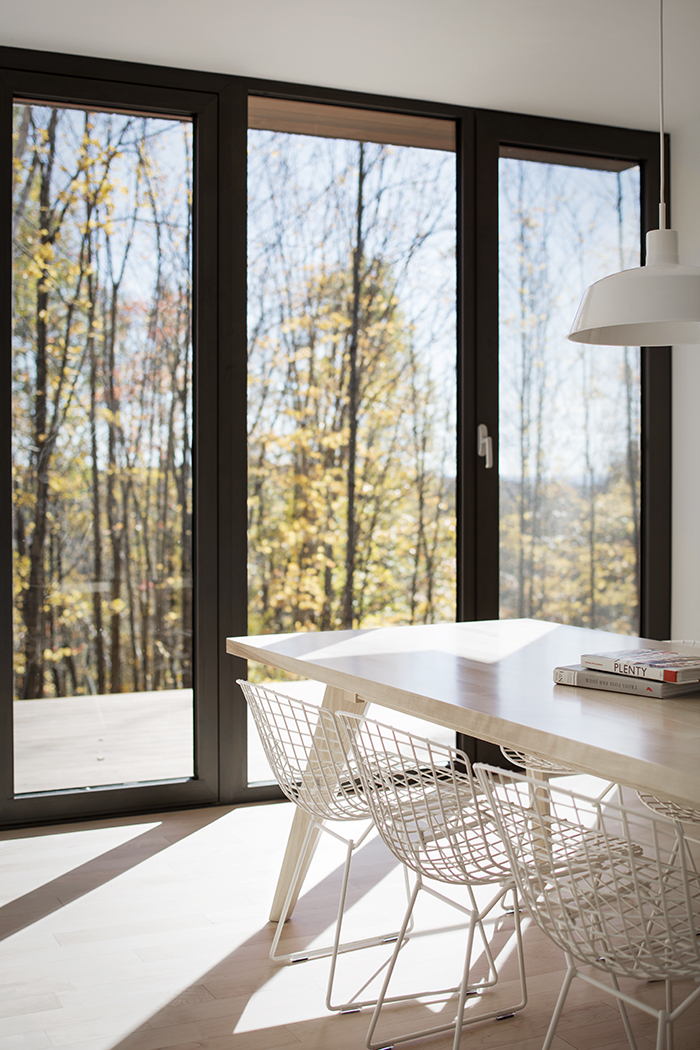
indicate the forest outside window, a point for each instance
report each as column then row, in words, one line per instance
column 102, row 444
column 570, row 415
column 351, row 371
column 351, row 368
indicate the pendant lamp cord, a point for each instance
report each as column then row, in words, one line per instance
column 662, row 180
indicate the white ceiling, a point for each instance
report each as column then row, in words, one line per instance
column 584, row 59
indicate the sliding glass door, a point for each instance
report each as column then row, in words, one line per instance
column 351, row 370
column 105, row 697
column 102, row 448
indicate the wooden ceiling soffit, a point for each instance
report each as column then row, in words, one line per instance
column 344, row 122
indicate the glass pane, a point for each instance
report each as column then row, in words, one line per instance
column 351, row 411
column 569, row 445
column 102, row 440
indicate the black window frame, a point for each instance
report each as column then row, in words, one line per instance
column 63, row 79
column 219, row 105
column 496, row 129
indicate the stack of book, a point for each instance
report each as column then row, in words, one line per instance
column 646, row 672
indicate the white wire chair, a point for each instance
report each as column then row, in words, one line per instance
column 310, row 763
column 423, row 800
column 596, row 879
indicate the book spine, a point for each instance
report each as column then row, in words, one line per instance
column 592, row 680
column 600, row 663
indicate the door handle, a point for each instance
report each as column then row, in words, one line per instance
column 485, row 444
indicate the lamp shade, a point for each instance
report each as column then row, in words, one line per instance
column 653, row 305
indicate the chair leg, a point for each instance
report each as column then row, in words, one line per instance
column 623, row 1013
column 476, row 918
column 570, row 974
column 669, row 1011
column 356, row 1004
column 338, row 925
column 521, row 954
column 289, row 896
column 390, row 969
column 334, row 949
column 463, row 991
column 663, row 1025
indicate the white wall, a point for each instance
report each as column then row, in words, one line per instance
column 686, row 399
column 592, row 60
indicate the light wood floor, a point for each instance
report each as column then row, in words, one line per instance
column 151, row 932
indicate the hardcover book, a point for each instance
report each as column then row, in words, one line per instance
column 656, row 664
column 577, row 674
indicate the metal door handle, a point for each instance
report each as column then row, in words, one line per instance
column 485, row 444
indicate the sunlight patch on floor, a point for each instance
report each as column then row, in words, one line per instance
column 51, row 856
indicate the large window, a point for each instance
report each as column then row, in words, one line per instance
column 351, row 377
column 248, row 333
column 102, row 447
column 351, row 372
column 569, row 414
column 109, row 222
column 574, row 525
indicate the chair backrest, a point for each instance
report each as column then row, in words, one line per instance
column 597, row 876
column 423, row 800
column 302, row 745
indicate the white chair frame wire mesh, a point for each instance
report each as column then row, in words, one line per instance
column 532, row 763
column 302, row 746
column 598, row 880
column 423, row 799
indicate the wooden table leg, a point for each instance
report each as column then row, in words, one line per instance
column 335, row 700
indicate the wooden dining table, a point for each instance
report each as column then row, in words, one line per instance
column 492, row 679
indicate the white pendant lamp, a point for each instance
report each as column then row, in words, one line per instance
column 653, row 305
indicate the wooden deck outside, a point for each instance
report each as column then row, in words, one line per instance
column 86, row 741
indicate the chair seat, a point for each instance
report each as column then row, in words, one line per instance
column 441, row 827
column 445, row 851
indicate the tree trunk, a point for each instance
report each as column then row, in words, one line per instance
column 33, row 608
column 587, row 387
column 353, row 404
column 632, row 458
column 130, row 563
column 97, row 572
column 525, row 379
column 113, row 523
